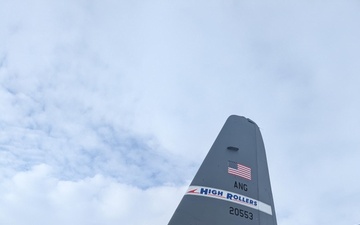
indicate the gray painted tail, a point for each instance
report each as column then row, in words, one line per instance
column 232, row 185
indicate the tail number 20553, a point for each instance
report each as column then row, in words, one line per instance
column 242, row 213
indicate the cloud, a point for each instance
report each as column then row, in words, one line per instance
column 104, row 98
column 39, row 197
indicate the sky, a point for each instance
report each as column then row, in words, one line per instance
column 109, row 107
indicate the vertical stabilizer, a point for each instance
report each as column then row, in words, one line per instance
column 232, row 186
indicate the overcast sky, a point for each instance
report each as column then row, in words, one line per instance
column 107, row 108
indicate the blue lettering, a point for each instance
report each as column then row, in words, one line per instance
column 239, row 198
column 204, row 191
column 207, row 191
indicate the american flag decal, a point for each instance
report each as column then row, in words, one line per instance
column 239, row 170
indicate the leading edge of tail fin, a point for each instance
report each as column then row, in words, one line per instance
column 232, row 186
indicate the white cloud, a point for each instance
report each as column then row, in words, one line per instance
column 101, row 99
column 36, row 196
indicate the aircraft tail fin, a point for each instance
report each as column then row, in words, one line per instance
column 232, row 186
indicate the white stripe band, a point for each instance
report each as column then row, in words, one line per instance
column 230, row 197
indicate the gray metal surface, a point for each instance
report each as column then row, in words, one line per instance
column 232, row 185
